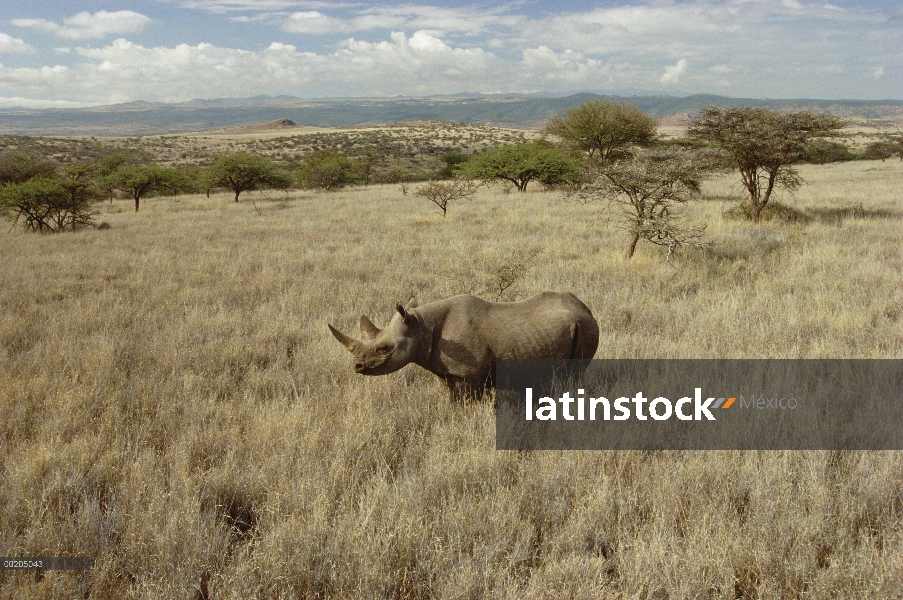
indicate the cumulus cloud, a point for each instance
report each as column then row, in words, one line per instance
column 10, row 44
column 85, row 25
column 421, row 63
column 673, row 73
column 747, row 47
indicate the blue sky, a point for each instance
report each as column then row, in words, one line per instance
column 58, row 54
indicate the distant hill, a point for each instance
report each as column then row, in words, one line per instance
column 148, row 118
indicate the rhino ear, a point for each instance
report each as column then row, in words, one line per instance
column 408, row 317
column 346, row 341
column 369, row 330
column 412, row 303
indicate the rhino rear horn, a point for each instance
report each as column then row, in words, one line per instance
column 346, row 341
column 408, row 317
column 369, row 330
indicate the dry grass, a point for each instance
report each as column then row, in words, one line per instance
column 415, row 145
column 174, row 406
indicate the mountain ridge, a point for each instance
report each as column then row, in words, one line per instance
column 510, row 110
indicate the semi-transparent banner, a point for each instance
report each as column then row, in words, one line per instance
column 717, row 404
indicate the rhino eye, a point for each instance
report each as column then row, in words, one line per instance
column 387, row 348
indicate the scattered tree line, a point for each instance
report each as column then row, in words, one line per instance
column 600, row 151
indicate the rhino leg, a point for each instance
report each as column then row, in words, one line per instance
column 463, row 390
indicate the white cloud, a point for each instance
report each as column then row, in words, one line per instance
column 750, row 47
column 15, row 102
column 258, row 6
column 85, row 25
column 673, row 73
column 469, row 20
column 422, row 63
column 10, row 44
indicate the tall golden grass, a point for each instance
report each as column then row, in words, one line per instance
column 175, row 408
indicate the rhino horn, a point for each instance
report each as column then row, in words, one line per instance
column 408, row 317
column 346, row 341
column 369, row 330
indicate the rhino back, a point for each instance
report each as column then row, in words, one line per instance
column 543, row 326
column 470, row 333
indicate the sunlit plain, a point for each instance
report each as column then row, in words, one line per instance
column 175, row 407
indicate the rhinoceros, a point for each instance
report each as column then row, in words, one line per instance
column 459, row 338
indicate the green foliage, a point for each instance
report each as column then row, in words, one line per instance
column 647, row 191
column 141, row 180
column 243, row 171
column 398, row 175
column 896, row 145
column 109, row 163
column 194, row 180
column 451, row 160
column 775, row 211
column 18, row 167
column 826, row 151
column 522, row 163
column 327, row 170
column 603, row 129
column 880, row 151
column 50, row 204
column 763, row 144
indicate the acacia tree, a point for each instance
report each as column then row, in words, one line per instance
column 49, row 204
column 881, row 151
column 441, row 193
column 603, row 129
column 647, row 191
column 522, row 163
column 141, row 180
column 328, row 171
column 244, row 171
column 763, row 144
column 17, row 166
column 107, row 165
column 827, row 151
column 896, row 144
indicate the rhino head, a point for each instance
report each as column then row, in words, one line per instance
column 383, row 351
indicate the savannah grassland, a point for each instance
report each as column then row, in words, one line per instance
column 175, row 407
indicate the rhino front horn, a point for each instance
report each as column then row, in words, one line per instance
column 346, row 341
column 369, row 330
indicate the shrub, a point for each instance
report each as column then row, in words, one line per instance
column 763, row 144
column 647, row 191
column 49, row 205
column 451, row 160
column 521, row 163
column 604, row 130
column 244, row 171
column 441, row 193
column 826, row 151
column 141, row 180
column 327, row 170
column 879, row 151
column 18, row 167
